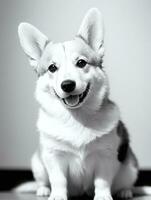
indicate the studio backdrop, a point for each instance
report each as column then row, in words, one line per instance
column 127, row 61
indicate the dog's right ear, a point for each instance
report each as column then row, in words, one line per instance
column 92, row 30
column 32, row 41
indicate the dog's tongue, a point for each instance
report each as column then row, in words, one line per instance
column 72, row 100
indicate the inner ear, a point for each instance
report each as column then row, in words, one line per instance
column 91, row 29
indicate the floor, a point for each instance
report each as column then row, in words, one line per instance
column 16, row 196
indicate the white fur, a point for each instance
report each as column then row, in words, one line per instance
column 78, row 146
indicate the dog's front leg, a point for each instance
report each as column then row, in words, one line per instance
column 57, row 176
column 104, row 174
column 102, row 189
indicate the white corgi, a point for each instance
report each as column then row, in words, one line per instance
column 83, row 144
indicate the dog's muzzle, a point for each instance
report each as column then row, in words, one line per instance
column 75, row 100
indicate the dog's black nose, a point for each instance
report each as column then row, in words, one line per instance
column 68, row 86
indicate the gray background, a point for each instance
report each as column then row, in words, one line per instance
column 127, row 60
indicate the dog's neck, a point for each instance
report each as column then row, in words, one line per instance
column 101, row 120
column 79, row 127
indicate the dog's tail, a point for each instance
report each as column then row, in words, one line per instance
column 28, row 187
column 141, row 190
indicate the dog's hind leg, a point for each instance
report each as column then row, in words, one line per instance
column 40, row 175
column 126, row 177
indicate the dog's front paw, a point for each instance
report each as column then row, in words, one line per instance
column 103, row 196
column 57, row 197
column 43, row 191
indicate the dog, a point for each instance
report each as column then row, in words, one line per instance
column 83, row 143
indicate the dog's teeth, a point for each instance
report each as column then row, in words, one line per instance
column 72, row 100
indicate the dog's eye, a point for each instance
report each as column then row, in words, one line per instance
column 81, row 63
column 52, row 68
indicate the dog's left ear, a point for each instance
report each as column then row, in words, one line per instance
column 32, row 41
column 91, row 30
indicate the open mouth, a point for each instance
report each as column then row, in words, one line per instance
column 75, row 100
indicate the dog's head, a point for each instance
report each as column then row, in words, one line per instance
column 70, row 72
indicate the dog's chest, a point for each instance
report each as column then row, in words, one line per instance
column 80, row 174
column 66, row 129
column 77, row 130
column 82, row 162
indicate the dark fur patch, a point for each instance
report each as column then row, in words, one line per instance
column 124, row 145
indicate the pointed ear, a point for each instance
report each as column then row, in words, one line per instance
column 91, row 29
column 32, row 41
